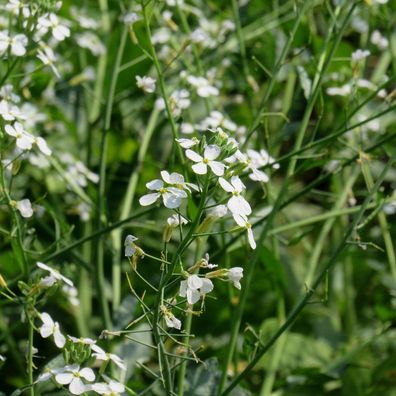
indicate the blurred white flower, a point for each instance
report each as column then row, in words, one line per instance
column 51, row 328
column 203, row 87
column 81, row 340
column 24, row 140
column 24, row 207
column 54, row 275
column 47, row 56
column 147, row 84
column 51, row 21
column 211, row 152
column 17, row 43
column 92, row 42
column 187, row 143
column 379, row 40
column 10, row 112
column 130, row 18
column 170, row 319
column 359, row 55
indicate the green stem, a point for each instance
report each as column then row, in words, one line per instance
column 30, row 357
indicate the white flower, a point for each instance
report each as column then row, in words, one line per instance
column 113, row 388
column 49, row 328
column 187, row 143
column 129, row 245
column 359, row 55
column 235, row 275
column 379, row 40
column 10, row 112
column 24, row 206
column 175, row 220
column 218, row 211
column 91, row 41
column 130, row 18
column 236, row 204
column 171, row 196
column 51, row 21
column 195, row 287
column 24, row 140
column 147, row 84
column 242, row 221
column 100, row 354
column 177, row 180
column 204, row 89
column 2, row 358
column 211, row 152
column 54, row 274
column 179, row 100
column 72, row 376
column 47, row 56
column 344, row 90
column 170, row 319
column 17, row 43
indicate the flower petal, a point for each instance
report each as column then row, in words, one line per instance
column 88, row 374
column 64, row 378
column 200, row 168
column 77, row 387
column 212, row 151
column 148, row 199
column 193, row 156
column 217, row 168
column 251, row 240
column 193, row 296
column 194, row 282
column 237, row 183
column 238, row 205
column 155, row 184
column 207, row 286
column 225, row 185
column 171, row 201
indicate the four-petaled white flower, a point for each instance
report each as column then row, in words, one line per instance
column 72, row 376
column 100, row 354
column 242, row 221
column 17, row 43
column 171, row 196
column 211, row 152
column 10, row 112
column 51, row 21
column 81, row 340
column 194, row 287
column 24, row 140
column 147, row 84
column 236, row 204
column 235, row 274
column 24, row 206
column 129, row 245
column 175, row 220
column 49, row 327
column 53, row 276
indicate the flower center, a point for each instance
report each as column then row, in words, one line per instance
column 162, row 190
column 205, row 161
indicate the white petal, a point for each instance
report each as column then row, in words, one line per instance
column 166, row 176
column 183, row 288
column 200, row 168
column 47, row 320
column 25, row 208
column 212, row 151
column 155, row 184
column 88, row 374
column 118, row 361
column 177, row 192
column 176, row 178
column 64, row 378
column 207, row 286
column 46, row 330
column 238, row 205
column 98, row 349
column 193, row 296
column 59, row 338
column 252, row 242
column 77, row 387
column 225, row 185
column 43, row 147
column 241, row 220
column 171, row 201
column 194, row 282
column 193, row 156
column 149, row 199
column 217, row 168
column 237, row 183
column 10, row 130
column 186, row 143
